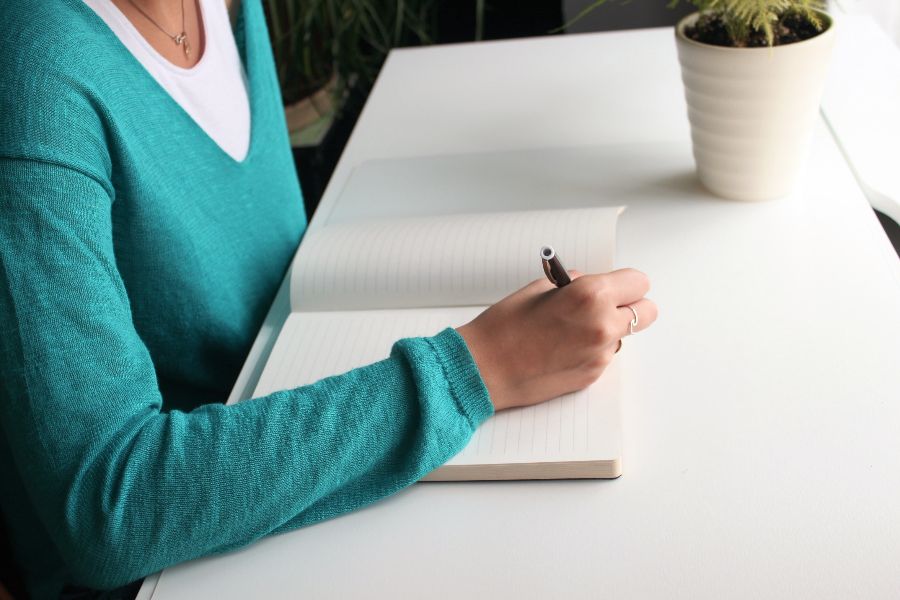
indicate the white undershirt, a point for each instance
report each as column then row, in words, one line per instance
column 214, row 91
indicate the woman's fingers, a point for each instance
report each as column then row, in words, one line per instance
column 626, row 286
column 617, row 288
column 646, row 314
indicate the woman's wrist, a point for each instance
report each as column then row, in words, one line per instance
column 486, row 365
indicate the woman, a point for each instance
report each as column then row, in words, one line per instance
column 150, row 208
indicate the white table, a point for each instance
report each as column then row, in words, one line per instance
column 762, row 411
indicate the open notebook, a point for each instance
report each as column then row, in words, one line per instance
column 356, row 288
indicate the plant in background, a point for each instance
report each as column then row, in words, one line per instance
column 325, row 48
column 316, row 41
column 747, row 23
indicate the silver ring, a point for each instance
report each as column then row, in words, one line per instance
column 634, row 321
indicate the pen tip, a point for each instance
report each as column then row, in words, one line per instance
column 547, row 252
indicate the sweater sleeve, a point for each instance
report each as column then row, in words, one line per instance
column 127, row 489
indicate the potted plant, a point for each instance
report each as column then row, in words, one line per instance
column 753, row 73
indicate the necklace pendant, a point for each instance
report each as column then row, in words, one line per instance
column 182, row 40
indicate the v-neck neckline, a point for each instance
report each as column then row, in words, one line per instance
column 246, row 57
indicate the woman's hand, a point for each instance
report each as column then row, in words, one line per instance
column 542, row 342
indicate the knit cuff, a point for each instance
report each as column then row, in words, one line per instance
column 463, row 378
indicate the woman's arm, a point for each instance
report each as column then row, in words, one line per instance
column 126, row 489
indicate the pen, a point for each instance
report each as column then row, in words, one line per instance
column 553, row 269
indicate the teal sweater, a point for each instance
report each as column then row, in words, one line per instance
column 137, row 262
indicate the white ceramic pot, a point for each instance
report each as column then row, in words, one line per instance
column 752, row 110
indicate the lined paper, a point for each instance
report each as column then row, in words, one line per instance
column 457, row 260
column 579, row 427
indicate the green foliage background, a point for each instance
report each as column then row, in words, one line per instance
column 315, row 39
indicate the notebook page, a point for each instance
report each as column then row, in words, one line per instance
column 456, row 260
column 581, row 426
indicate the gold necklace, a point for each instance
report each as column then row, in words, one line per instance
column 180, row 39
